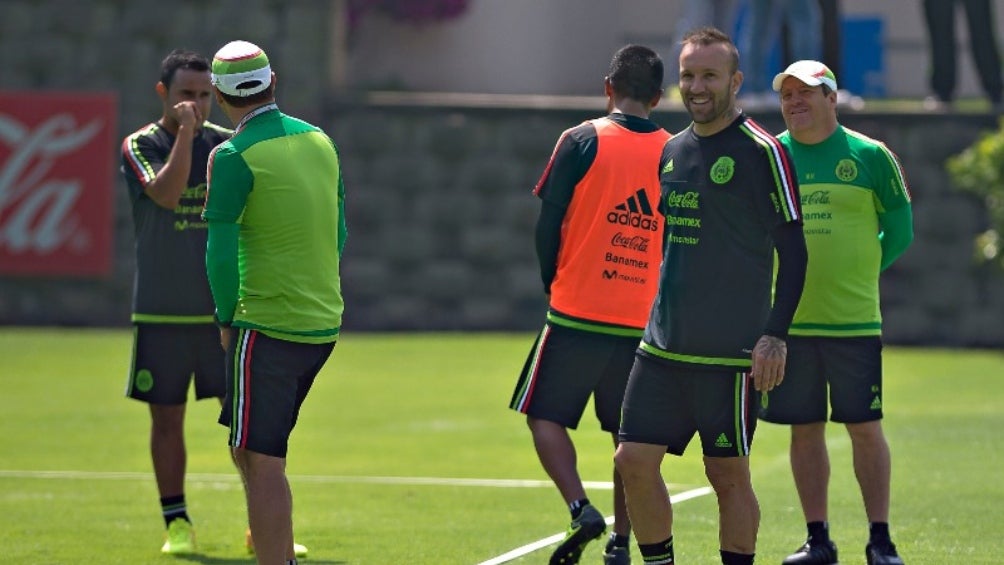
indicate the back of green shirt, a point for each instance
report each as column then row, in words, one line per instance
column 846, row 183
column 279, row 178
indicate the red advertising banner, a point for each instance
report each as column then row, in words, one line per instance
column 56, row 183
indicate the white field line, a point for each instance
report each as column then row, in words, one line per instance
column 531, row 547
column 322, row 479
column 331, row 479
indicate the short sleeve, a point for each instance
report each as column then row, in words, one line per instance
column 141, row 161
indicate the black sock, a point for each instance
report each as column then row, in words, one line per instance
column 878, row 532
column 576, row 507
column 819, row 531
column 729, row 558
column 657, row 553
column 174, row 507
column 617, row 540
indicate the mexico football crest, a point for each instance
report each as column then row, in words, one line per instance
column 847, row 170
column 723, row 169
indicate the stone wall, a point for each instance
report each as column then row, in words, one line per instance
column 439, row 206
column 441, row 220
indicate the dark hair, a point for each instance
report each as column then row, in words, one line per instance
column 708, row 35
column 826, row 90
column 636, row 73
column 181, row 59
column 255, row 99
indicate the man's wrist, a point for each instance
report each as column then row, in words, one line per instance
column 220, row 322
column 782, row 335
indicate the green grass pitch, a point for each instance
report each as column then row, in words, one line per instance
column 406, row 452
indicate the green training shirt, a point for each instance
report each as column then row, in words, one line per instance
column 847, row 182
column 279, row 180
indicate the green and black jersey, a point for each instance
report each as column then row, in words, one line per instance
column 170, row 282
column 849, row 183
column 278, row 184
column 723, row 196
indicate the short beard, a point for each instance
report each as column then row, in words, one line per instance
column 725, row 113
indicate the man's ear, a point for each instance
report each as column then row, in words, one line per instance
column 161, row 90
column 655, row 99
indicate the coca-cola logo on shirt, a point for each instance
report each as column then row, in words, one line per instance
column 636, row 243
column 57, row 161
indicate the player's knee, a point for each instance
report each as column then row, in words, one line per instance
column 727, row 475
column 631, row 463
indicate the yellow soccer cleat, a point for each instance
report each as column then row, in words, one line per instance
column 180, row 538
column 299, row 550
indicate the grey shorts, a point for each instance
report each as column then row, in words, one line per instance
column 848, row 370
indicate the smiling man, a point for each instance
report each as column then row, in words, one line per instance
column 714, row 339
column 858, row 220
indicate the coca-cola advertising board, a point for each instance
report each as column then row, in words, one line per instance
column 57, row 152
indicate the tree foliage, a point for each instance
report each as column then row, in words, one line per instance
column 979, row 169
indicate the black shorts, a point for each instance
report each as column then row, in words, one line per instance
column 666, row 404
column 566, row 366
column 851, row 366
column 165, row 358
column 267, row 381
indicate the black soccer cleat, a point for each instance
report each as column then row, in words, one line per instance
column 813, row 553
column 616, row 556
column 584, row 529
column 882, row 554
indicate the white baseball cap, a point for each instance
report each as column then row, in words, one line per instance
column 812, row 73
column 241, row 69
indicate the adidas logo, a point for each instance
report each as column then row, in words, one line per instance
column 722, row 441
column 668, row 168
column 635, row 212
column 876, row 403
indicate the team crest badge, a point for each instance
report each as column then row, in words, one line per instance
column 723, row 169
column 847, row 170
column 144, row 380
